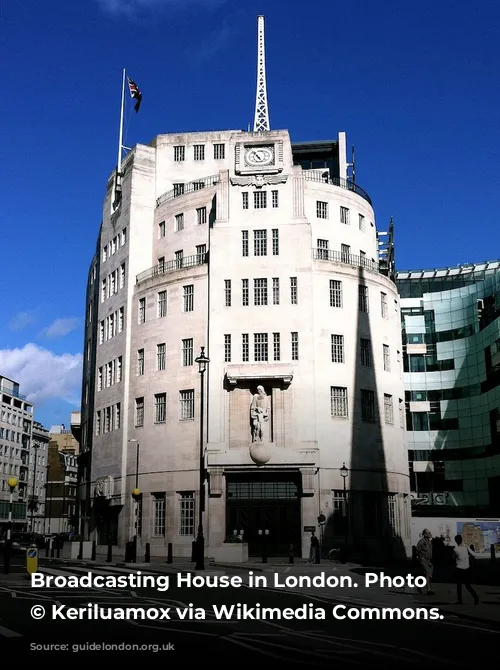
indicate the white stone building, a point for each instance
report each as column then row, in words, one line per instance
column 37, row 478
column 267, row 255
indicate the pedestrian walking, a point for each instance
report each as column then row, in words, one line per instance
column 424, row 558
column 463, row 570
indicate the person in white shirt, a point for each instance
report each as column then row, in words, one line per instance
column 463, row 570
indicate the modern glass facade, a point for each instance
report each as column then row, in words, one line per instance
column 451, row 355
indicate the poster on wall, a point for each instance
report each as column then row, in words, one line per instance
column 479, row 534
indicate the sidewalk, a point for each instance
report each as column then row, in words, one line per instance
column 488, row 610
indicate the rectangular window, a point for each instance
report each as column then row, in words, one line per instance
column 161, row 356
column 321, row 209
column 99, row 380
column 322, row 248
column 363, row 298
column 276, row 291
column 162, row 304
column 178, row 190
column 260, row 291
column 120, row 319
column 198, row 185
column 227, row 348
column 384, row 307
column 244, row 199
column 294, row 294
column 104, row 253
column 227, row 292
column 201, row 215
column 260, row 242
column 140, row 362
column 161, row 230
column 338, row 401
column 179, row 222
column 244, row 242
column 160, row 407
column 387, row 358
column 402, row 413
column 186, row 402
column 188, row 298
column 186, row 509
column 295, row 346
column 201, row 252
column 276, row 242
column 260, row 346
column 101, row 332
column 159, row 510
column 119, row 368
column 367, row 405
column 219, row 152
column 103, row 290
column 245, row 293
column 245, row 348
column 344, row 215
column 179, row 154
column 142, row 310
column 366, row 352
column 345, row 253
column 388, row 409
column 276, row 347
column 199, row 152
column 139, row 412
column 117, row 422
column 122, row 275
column 361, row 220
column 260, row 199
column 338, row 349
column 274, row 198
column 179, row 258
column 187, row 352
column 335, row 293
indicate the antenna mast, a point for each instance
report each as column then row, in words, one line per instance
column 261, row 119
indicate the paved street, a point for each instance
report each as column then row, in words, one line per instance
column 310, row 643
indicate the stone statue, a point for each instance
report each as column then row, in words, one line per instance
column 260, row 414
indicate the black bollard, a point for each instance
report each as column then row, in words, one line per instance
column 80, row 551
column 169, row 553
column 147, row 555
column 291, row 558
column 493, row 553
column 109, row 557
column 59, row 546
column 94, row 550
column 264, row 548
column 6, row 556
column 52, row 548
column 47, row 548
column 134, row 550
column 127, row 552
column 193, row 551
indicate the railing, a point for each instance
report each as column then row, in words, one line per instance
column 324, row 177
column 184, row 189
column 12, row 392
column 172, row 266
column 346, row 259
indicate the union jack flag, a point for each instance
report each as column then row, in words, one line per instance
column 135, row 93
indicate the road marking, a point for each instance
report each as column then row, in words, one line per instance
column 6, row 632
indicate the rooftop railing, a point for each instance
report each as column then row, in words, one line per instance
column 346, row 259
column 172, row 266
column 183, row 189
column 12, row 392
column 324, row 177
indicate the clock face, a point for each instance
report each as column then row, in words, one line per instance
column 259, row 156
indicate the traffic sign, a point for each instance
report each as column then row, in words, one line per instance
column 32, row 560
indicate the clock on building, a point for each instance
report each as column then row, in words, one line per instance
column 259, row 156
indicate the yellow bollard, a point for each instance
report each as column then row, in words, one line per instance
column 32, row 559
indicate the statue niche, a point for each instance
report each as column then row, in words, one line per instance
column 260, row 422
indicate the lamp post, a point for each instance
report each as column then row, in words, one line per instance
column 136, row 494
column 203, row 362
column 344, row 473
column 12, row 482
column 36, row 447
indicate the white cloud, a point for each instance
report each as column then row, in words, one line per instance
column 22, row 320
column 42, row 374
column 61, row 327
column 134, row 8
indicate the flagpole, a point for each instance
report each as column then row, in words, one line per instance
column 120, row 140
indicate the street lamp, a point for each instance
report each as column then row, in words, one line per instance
column 136, row 494
column 12, row 483
column 36, row 447
column 203, row 362
column 344, row 473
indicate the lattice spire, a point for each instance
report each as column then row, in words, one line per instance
column 261, row 119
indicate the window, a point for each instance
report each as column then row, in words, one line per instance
column 188, row 298
column 294, row 296
column 344, row 215
column 388, row 409
column 142, row 310
column 159, row 508
column 401, row 413
column 179, row 222
column 362, row 225
column 260, row 345
column 245, row 293
column 227, row 348
column 186, row 401
column 260, row 199
column 101, row 332
column 178, row 190
column 384, row 307
column 161, row 356
column 367, row 405
column 295, row 346
column 201, row 251
column 187, row 352
column 139, row 412
column 120, row 319
column 276, row 242
column 198, row 185
column 276, row 291
column 119, row 368
column 276, row 347
column 186, row 508
column 338, row 401
column 140, row 362
column 104, row 254
column 244, row 199
column 322, row 246
column 201, row 215
column 345, row 253
column 260, row 242
column 178, row 257
column 161, row 265
column 99, row 382
column 387, row 357
column 245, row 348
column 199, row 152
column 122, row 275
column 321, row 209
column 162, row 303
column 260, row 291
column 244, row 242
column 103, row 290
column 160, row 407
column 161, row 229
column 366, row 353
column 274, row 198
column 124, row 237
column 179, row 154
column 335, row 293
column 363, row 298
column 227, row 292
column 338, row 349
column 219, row 152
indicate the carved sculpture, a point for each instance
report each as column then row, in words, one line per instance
column 260, row 414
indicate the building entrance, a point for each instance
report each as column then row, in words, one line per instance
column 265, row 501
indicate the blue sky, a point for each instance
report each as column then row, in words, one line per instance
column 413, row 84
